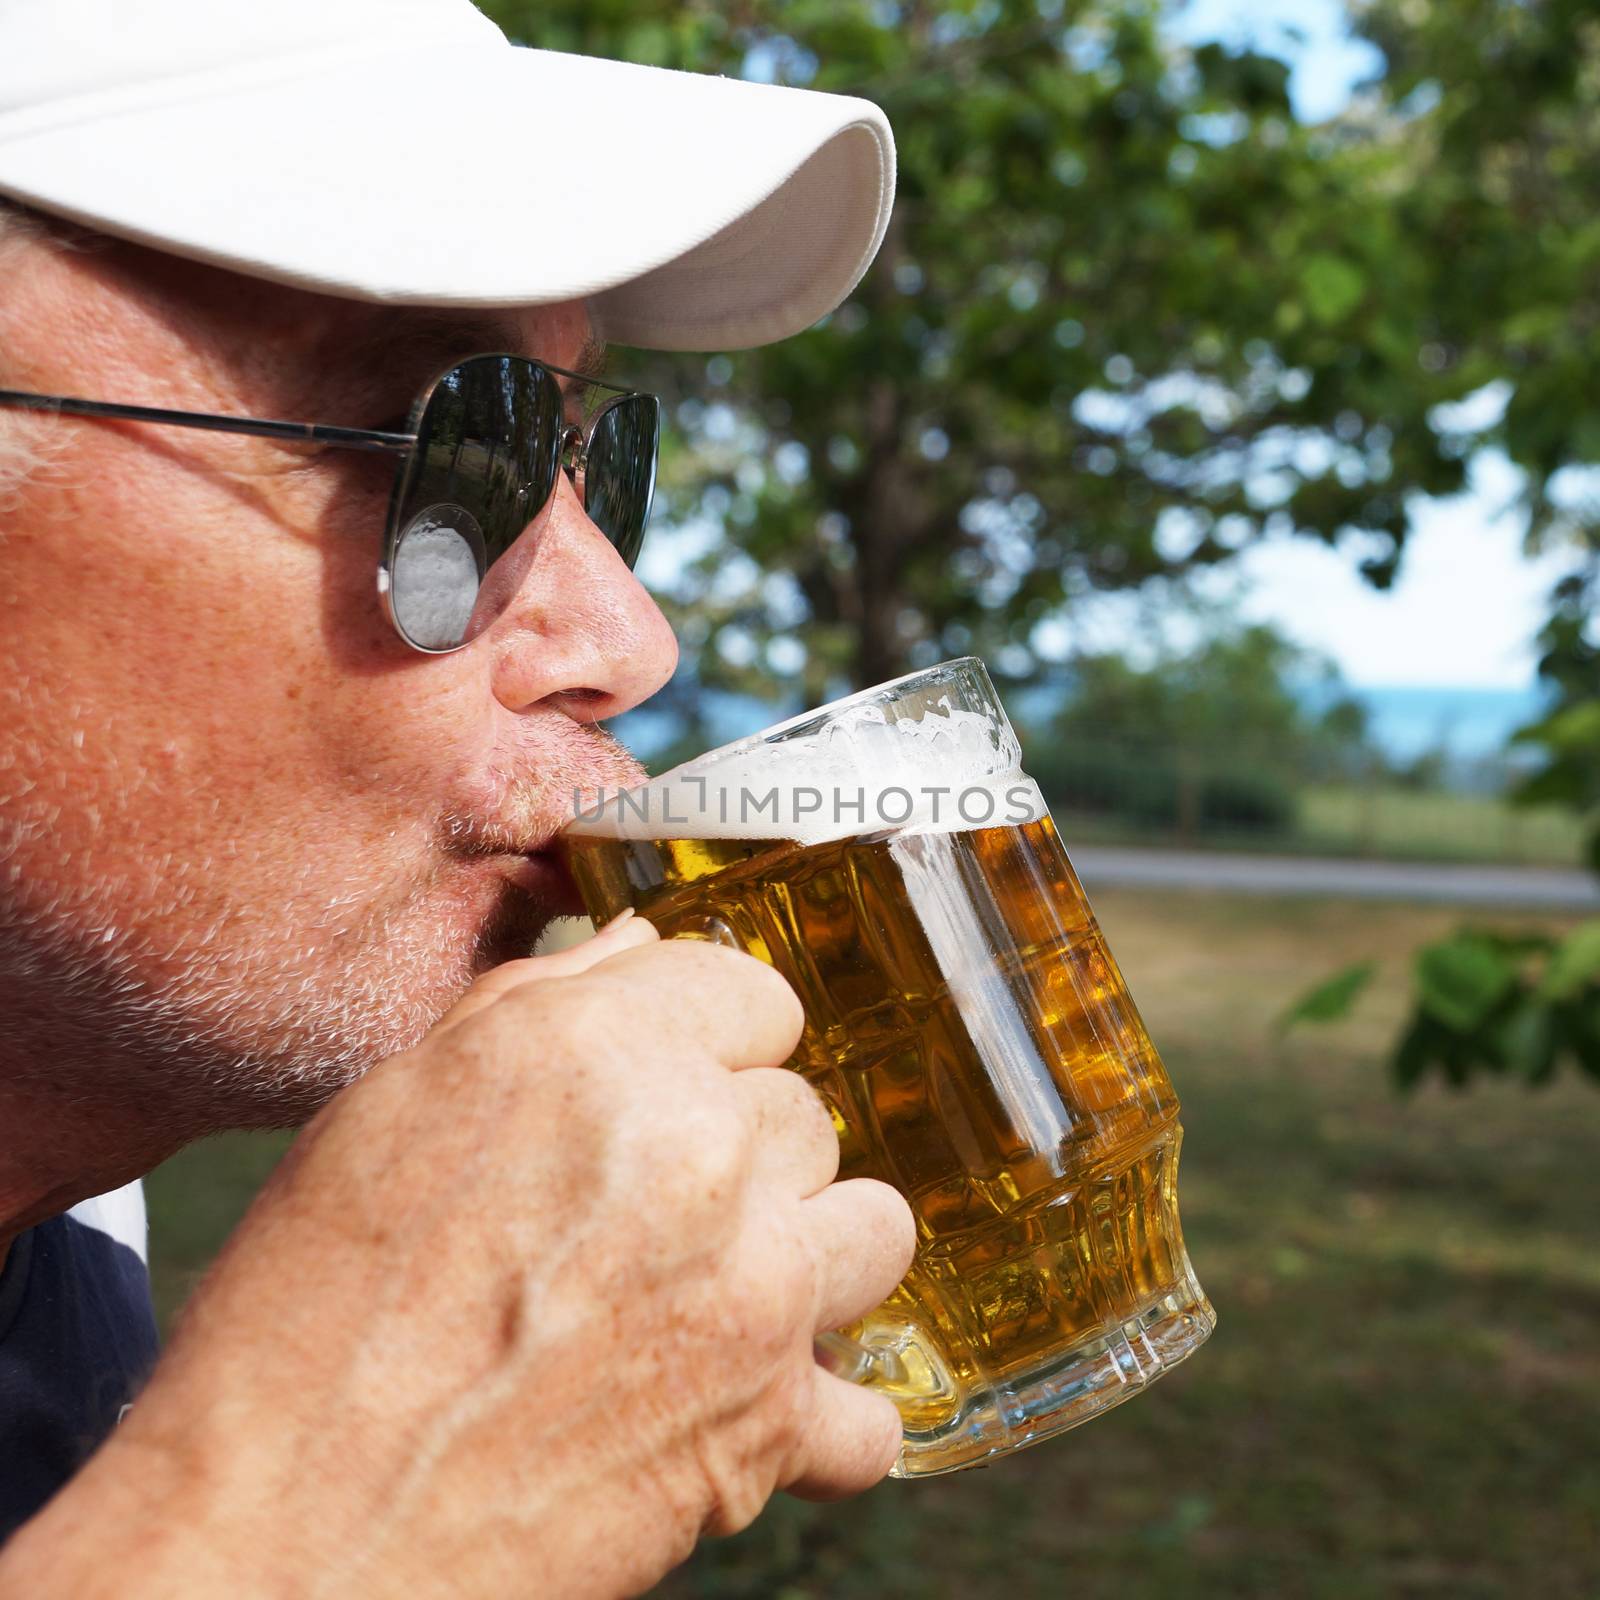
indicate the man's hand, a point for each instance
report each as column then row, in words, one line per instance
column 523, row 1312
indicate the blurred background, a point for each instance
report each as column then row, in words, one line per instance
column 1226, row 381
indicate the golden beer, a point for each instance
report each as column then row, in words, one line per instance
column 971, row 1036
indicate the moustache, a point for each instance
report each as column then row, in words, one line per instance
column 527, row 807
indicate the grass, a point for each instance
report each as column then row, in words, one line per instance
column 1403, row 1395
column 1382, row 821
column 194, row 1202
column 1417, row 825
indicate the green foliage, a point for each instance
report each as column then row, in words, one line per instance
column 1236, row 686
column 1487, row 1003
column 1568, row 738
column 1333, row 288
column 1497, row 102
column 1161, row 789
column 1129, row 313
column 1573, row 964
column 1255, row 797
column 1502, row 145
column 1208, row 737
column 1460, row 980
column 1332, row 999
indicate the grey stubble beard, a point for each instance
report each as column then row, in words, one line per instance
column 253, row 1033
column 253, row 1026
column 244, row 1028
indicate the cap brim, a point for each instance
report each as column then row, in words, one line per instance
column 691, row 212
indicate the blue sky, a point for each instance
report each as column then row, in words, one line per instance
column 1325, row 60
column 1467, row 602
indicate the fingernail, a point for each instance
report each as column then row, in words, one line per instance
column 616, row 922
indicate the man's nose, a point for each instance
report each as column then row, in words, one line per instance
column 581, row 633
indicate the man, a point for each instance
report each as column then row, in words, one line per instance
column 290, row 719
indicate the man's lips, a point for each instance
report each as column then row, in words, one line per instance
column 543, row 873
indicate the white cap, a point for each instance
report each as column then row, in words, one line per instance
column 403, row 151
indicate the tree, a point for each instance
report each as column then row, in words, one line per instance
column 1501, row 108
column 1500, row 120
column 1217, row 732
column 1238, row 685
column 1129, row 313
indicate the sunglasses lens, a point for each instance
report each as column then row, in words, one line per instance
column 619, row 480
column 488, row 444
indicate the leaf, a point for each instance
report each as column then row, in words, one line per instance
column 1526, row 1041
column 1572, row 727
column 1587, row 1040
column 1574, row 963
column 1331, row 1000
column 1333, row 287
column 1576, row 1033
column 1517, row 943
column 1413, row 1054
column 1559, row 784
column 1460, row 980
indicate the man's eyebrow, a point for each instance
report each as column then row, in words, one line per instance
column 591, row 359
column 419, row 342
column 447, row 336
column 443, row 336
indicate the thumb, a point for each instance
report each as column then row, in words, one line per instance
column 623, row 932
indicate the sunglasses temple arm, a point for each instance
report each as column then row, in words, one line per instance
column 298, row 432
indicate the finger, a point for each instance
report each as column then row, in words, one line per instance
column 851, row 1440
column 797, row 1148
column 625, row 932
column 862, row 1237
column 724, row 1002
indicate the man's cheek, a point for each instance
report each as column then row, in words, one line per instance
column 428, row 734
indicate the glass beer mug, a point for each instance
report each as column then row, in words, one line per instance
column 968, row 1031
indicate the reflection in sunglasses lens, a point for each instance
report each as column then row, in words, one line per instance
column 437, row 565
column 620, row 477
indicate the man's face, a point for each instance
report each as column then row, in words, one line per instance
column 251, row 842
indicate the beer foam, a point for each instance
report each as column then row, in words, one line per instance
column 847, row 770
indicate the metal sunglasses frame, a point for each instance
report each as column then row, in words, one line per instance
column 369, row 439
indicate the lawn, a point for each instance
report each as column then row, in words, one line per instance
column 1416, row 825
column 1403, row 1395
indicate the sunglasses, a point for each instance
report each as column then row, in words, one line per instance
column 486, row 443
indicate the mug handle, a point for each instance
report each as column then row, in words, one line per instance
column 837, row 1353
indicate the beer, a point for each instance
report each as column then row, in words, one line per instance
column 977, row 1048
